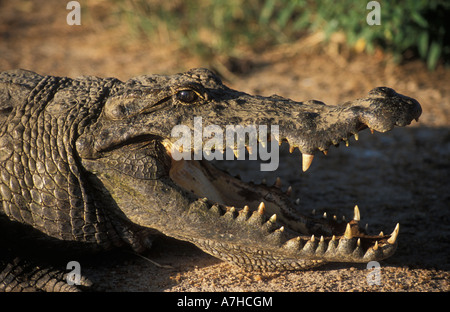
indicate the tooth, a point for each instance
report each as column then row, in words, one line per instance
column 291, row 149
column 348, row 232
column 394, row 235
column 325, row 152
column 357, row 215
column 332, row 246
column 324, row 215
column 276, row 139
column 281, row 229
column 375, row 247
column 334, row 218
column 306, row 161
column 261, row 208
column 243, row 214
column 346, row 142
column 312, row 238
column 297, row 201
column 358, row 242
column 356, row 136
column 371, row 130
column 278, row 182
column 289, row 191
column 230, row 213
column 215, row 210
column 293, row 244
column 322, row 247
column 381, row 234
column 273, row 218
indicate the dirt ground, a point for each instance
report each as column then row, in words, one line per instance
column 401, row 176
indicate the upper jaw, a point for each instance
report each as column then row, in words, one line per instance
column 310, row 126
column 320, row 125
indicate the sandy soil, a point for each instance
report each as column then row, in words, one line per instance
column 401, row 176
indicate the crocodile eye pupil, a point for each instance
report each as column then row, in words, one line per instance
column 187, row 96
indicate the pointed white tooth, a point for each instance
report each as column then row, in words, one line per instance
column 346, row 142
column 357, row 215
column 261, row 208
column 375, row 247
column 381, row 234
column 293, row 244
column 291, row 149
column 356, row 136
column 306, row 161
column 324, row 215
column 278, row 182
column 394, row 235
column 334, row 218
column 348, row 231
column 273, row 218
column 358, row 242
column 289, row 191
column 297, row 201
column 312, row 238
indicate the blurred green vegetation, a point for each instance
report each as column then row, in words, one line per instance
column 409, row 28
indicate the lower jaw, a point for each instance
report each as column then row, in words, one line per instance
column 251, row 259
column 205, row 181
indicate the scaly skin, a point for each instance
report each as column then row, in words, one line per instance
column 87, row 163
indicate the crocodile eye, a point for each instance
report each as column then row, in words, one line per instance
column 187, row 96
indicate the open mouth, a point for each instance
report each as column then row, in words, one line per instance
column 275, row 213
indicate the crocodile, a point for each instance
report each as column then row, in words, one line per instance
column 88, row 164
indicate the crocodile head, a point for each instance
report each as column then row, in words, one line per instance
column 133, row 151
